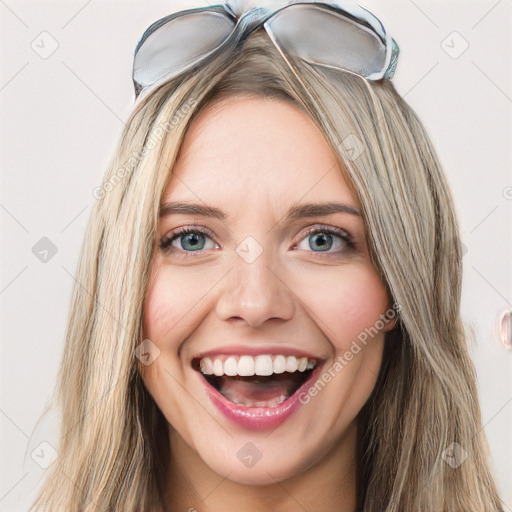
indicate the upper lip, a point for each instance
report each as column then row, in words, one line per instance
column 252, row 350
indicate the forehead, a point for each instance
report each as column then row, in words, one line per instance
column 255, row 149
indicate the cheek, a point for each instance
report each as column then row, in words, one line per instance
column 169, row 304
column 161, row 311
column 348, row 302
column 171, row 308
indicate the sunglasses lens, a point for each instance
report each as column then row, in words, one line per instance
column 325, row 37
column 169, row 49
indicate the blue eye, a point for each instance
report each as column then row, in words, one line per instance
column 192, row 240
column 323, row 239
column 186, row 241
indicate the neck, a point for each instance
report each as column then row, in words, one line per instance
column 329, row 486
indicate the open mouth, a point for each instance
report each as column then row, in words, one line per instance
column 261, row 381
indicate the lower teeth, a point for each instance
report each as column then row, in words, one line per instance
column 251, row 403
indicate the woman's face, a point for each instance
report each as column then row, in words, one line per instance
column 267, row 312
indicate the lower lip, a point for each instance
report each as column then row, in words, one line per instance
column 259, row 418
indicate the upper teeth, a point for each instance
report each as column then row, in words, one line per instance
column 246, row 366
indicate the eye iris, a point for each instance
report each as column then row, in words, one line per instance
column 193, row 238
column 321, row 238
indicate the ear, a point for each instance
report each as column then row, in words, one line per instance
column 390, row 325
column 390, row 317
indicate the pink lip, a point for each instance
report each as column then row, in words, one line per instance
column 258, row 418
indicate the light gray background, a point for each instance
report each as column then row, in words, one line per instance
column 63, row 113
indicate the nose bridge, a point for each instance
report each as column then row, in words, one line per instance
column 260, row 8
column 254, row 290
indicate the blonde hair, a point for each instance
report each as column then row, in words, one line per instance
column 113, row 442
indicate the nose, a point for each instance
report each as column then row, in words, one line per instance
column 255, row 292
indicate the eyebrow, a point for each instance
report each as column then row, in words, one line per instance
column 295, row 213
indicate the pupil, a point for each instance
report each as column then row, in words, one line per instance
column 193, row 239
column 322, row 237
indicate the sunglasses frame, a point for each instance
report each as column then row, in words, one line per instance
column 256, row 17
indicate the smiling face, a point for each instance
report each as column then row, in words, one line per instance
column 251, row 288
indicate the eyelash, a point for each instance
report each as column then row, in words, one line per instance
column 165, row 242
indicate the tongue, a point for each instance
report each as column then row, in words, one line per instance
column 263, row 392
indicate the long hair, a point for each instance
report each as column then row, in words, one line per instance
column 113, row 443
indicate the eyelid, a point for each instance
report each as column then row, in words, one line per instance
column 184, row 229
column 166, row 240
column 332, row 230
column 327, row 227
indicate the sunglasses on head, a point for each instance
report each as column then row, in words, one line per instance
column 337, row 35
